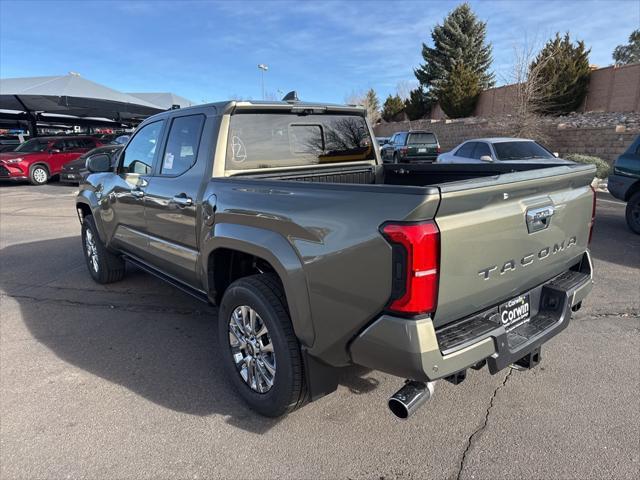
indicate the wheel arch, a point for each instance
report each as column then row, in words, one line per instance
column 87, row 204
column 633, row 189
column 238, row 250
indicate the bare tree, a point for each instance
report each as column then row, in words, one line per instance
column 404, row 88
column 529, row 88
column 368, row 100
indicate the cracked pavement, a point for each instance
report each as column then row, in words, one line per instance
column 122, row 381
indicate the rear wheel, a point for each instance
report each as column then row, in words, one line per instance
column 38, row 175
column 261, row 353
column 104, row 266
column 633, row 213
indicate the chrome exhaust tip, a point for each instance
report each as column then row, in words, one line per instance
column 409, row 398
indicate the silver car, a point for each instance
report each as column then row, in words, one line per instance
column 499, row 149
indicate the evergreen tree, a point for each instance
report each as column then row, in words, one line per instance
column 372, row 104
column 393, row 105
column 564, row 75
column 460, row 91
column 418, row 105
column 461, row 39
column 630, row 53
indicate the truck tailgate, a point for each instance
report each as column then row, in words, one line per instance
column 503, row 235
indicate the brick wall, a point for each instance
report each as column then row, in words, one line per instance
column 604, row 142
column 611, row 89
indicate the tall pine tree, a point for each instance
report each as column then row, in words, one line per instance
column 564, row 75
column 461, row 39
column 372, row 104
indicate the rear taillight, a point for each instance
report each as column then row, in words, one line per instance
column 593, row 214
column 438, row 149
column 416, row 259
column 404, row 151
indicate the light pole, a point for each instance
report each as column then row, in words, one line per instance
column 263, row 68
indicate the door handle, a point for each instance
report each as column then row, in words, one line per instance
column 137, row 193
column 182, row 200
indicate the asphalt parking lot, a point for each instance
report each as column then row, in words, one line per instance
column 121, row 381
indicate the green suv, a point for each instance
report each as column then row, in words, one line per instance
column 624, row 183
column 409, row 147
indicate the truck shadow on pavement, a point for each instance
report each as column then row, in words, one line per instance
column 139, row 333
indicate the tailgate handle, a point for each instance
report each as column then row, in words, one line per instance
column 539, row 218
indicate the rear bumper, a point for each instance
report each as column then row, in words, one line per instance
column 414, row 349
column 619, row 185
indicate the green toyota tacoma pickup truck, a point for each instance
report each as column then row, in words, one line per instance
column 320, row 256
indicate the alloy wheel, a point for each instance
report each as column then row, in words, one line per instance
column 92, row 251
column 252, row 349
column 40, row 175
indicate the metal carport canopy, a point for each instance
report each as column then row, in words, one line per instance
column 71, row 95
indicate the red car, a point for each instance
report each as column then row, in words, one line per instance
column 39, row 159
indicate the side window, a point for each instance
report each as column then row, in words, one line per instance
column 87, row 143
column 481, row 149
column 401, row 140
column 71, row 144
column 59, row 145
column 182, row 145
column 466, row 150
column 139, row 155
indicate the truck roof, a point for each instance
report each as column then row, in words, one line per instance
column 231, row 105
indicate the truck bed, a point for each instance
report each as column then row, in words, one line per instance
column 428, row 174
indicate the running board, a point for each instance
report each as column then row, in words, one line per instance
column 194, row 292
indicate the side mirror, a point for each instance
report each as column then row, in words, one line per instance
column 100, row 162
column 54, row 150
column 486, row 158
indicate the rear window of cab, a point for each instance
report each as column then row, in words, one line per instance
column 267, row 140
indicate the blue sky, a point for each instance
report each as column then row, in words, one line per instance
column 209, row 51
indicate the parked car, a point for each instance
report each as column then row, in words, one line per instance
column 120, row 140
column 624, row 183
column 320, row 257
column 39, row 159
column 382, row 140
column 76, row 171
column 500, row 149
column 107, row 137
column 412, row 146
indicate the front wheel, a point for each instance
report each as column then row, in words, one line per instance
column 38, row 175
column 632, row 213
column 261, row 354
column 104, row 266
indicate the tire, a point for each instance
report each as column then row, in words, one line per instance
column 632, row 213
column 263, row 294
column 104, row 267
column 38, row 174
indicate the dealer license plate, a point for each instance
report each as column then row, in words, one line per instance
column 515, row 312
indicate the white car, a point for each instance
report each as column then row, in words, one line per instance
column 499, row 149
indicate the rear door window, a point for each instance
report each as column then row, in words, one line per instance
column 182, row 145
column 422, row 138
column 466, row 150
column 266, row 140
